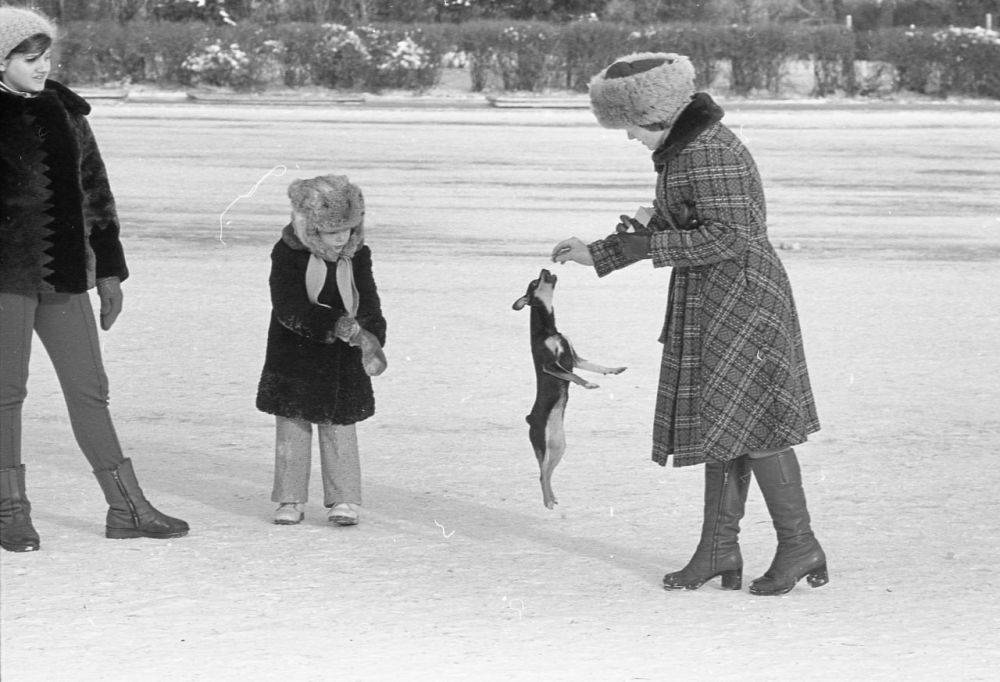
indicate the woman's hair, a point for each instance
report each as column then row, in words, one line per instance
column 655, row 127
column 32, row 45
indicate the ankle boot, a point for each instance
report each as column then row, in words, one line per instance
column 799, row 554
column 16, row 532
column 718, row 552
column 130, row 515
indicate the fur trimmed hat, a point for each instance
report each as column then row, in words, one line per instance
column 642, row 89
column 17, row 25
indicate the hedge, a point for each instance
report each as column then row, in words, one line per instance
column 524, row 56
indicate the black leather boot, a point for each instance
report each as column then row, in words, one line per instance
column 16, row 532
column 718, row 552
column 799, row 554
column 130, row 515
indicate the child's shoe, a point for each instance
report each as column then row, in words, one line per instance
column 289, row 513
column 344, row 514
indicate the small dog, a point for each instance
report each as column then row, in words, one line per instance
column 554, row 360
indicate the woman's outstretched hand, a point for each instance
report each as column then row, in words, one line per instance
column 572, row 249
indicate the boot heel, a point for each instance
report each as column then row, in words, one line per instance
column 818, row 577
column 732, row 580
column 122, row 533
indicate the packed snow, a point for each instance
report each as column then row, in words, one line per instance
column 888, row 220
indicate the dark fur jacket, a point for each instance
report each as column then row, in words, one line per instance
column 308, row 373
column 58, row 224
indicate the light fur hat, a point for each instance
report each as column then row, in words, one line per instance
column 326, row 204
column 17, row 25
column 642, row 89
column 332, row 203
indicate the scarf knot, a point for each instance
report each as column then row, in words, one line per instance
column 316, row 279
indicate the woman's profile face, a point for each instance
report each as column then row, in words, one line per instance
column 27, row 72
column 650, row 139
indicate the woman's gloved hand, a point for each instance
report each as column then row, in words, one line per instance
column 109, row 290
column 633, row 237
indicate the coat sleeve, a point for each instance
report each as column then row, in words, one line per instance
column 99, row 210
column 369, row 305
column 291, row 305
column 723, row 183
column 608, row 255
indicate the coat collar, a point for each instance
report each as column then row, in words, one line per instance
column 292, row 239
column 700, row 114
column 54, row 91
column 72, row 101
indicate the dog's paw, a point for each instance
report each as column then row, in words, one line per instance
column 617, row 370
column 590, row 385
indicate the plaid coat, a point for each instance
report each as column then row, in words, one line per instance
column 733, row 377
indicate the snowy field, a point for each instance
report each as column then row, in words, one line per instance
column 889, row 219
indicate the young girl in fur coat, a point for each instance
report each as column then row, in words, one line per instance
column 323, row 345
column 58, row 240
column 734, row 392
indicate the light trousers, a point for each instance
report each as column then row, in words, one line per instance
column 340, row 463
column 66, row 326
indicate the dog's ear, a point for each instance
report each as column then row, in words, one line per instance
column 521, row 302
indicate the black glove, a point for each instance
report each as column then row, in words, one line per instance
column 625, row 223
column 634, row 244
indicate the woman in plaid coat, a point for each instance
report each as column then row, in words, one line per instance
column 734, row 390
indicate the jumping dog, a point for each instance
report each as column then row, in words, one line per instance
column 554, row 360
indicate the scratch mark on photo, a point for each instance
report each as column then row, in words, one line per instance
column 446, row 535
column 277, row 171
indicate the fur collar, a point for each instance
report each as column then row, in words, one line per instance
column 72, row 101
column 313, row 244
column 701, row 113
column 54, row 91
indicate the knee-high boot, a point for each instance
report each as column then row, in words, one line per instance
column 718, row 552
column 16, row 532
column 130, row 515
column 799, row 554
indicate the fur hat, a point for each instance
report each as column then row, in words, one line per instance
column 325, row 204
column 17, row 25
column 642, row 89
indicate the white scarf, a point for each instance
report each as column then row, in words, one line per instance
column 316, row 278
column 322, row 253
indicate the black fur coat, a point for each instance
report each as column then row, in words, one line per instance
column 308, row 373
column 58, row 223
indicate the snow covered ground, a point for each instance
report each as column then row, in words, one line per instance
column 890, row 222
